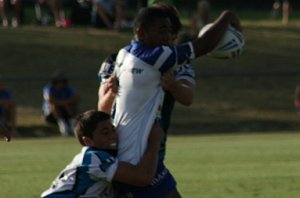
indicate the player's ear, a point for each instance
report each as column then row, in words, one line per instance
column 87, row 141
column 140, row 33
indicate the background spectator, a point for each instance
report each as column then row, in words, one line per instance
column 150, row 2
column 297, row 99
column 110, row 14
column 60, row 103
column 4, row 132
column 201, row 17
column 81, row 12
column 52, row 8
column 7, row 108
column 283, row 6
column 4, row 5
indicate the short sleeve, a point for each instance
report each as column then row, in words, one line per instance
column 185, row 72
column 103, row 166
column 107, row 68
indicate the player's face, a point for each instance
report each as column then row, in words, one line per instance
column 105, row 136
column 59, row 85
column 159, row 33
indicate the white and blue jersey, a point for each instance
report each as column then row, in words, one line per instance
column 184, row 72
column 61, row 94
column 88, row 175
column 138, row 69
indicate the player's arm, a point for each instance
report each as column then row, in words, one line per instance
column 143, row 173
column 182, row 90
column 106, row 94
column 207, row 42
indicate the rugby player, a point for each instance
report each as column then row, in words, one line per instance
column 138, row 69
column 91, row 171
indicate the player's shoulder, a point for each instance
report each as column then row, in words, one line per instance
column 103, row 155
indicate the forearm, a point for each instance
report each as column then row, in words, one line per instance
column 183, row 93
column 105, row 104
column 105, row 100
column 143, row 173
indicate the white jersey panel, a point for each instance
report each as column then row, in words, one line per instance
column 137, row 104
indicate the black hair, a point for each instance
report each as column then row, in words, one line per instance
column 147, row 16
column 173, row 14
column 86, row 123
column 58, row 76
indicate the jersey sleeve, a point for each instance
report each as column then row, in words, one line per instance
column 103, row 166
column 106, row 68
column 185, row 72
column 176, row 56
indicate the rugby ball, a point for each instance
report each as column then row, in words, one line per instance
column 230, row 46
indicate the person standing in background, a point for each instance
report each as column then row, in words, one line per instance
column 4, row 5
column 7, row 109
column 201, row 17
column 285, row 8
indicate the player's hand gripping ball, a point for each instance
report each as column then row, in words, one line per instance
column 230, row 46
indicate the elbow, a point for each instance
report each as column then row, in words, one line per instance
column 145, row 180
column 187, row 101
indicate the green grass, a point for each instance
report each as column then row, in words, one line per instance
column 208, row 166
column 236, row 165
column 253, row 93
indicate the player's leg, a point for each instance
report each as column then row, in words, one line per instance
column 10, row 117
column 56, row 9
column 71, row 113
column 17, row 12
column 163, row 185
column 59, row 115
column 173, row 194
column 5, row 132
column 3, row 10
column 285, row 11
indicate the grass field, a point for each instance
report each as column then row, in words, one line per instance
column 244, row 142
column 251, row 93
column 208, row 166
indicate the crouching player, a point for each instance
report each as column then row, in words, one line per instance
column 91, row 172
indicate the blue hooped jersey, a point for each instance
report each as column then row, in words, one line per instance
column 138, row 69
column 88, row 175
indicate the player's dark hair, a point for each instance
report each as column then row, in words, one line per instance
column 86, row 123
column 58, row 76
column 173, row 15
column 147, row 16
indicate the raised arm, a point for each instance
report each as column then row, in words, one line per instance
column 106, row 94
column 143, row 173
column 211, row 37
